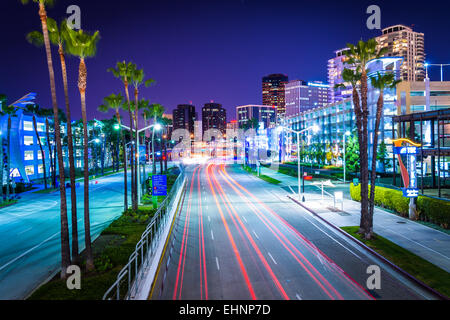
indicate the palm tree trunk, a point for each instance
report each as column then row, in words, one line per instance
column 50, row 153
column 136, row 98
column 133, row 177
column 374, row 158
column 65, row 246
column 42, row 150
column 73, row 192
column 8, row 160
column 82, row 77
column 365, row 219
column 125, row 175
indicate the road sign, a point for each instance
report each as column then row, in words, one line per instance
column 410, row 192
column 407, row 150
column 159, row 185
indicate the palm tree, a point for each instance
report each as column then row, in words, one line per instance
column 156, row 112
column 357, row 57
column 380, row 82
column 123, row 71
column 137, row 80
column 115, row 102
column 57, row 39
column 65, row 246
column 84, row 45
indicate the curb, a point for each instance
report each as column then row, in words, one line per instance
column 376, row 254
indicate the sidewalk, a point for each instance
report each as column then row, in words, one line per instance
column 428, row 243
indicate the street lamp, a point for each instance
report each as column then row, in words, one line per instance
column 156, row 127
column 313, row 128
column 346, row 134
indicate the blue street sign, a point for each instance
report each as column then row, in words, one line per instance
column 159, row 185
column 410, row 192
column 406, row 150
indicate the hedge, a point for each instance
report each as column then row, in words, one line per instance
column 428, row 209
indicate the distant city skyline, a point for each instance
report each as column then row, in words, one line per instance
column 193, row 64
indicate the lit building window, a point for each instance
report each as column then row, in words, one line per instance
column 29, row 170
column 28, row 126
column 28, row 140
column 29, row 155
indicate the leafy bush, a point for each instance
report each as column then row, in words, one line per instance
column 103, row 263
column 429, row 209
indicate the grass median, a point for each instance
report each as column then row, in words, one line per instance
column 262, row 176
column 418, row 267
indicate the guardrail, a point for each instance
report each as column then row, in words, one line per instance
column 128, row 279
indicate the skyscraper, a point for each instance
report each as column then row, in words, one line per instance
column 214, row 117
column 302, row 96
column 183, row 117
column 402, row 41
column 273, row 91
column 335, row 67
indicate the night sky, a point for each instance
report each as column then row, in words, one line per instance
column 204, row 50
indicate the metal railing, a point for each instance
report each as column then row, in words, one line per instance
column 128, row 279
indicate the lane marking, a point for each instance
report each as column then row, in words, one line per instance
column 25, row 230
column 244, row 219
column 298, row 296
column 217, row 263
column 212, row 235
column 272, row 258
column 255, row 234
column 209, row 219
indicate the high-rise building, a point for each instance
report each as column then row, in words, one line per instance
column 402, row 41
column 273, row 91
column 302, row 96
column 183, row 117
column 336, row 66
column 264, row 114
column 214, row 117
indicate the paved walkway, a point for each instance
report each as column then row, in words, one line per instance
column 428, row 243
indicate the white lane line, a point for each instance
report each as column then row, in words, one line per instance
column 25, row 230
column 212, row 235
column 272, row 258
column 298, row 296
column 217, row 263
column 28, row 251
column 255, row 234
column 244, row 219
column 209, row 219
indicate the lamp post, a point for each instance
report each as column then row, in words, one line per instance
column 346, row 134
column 315, row 129
column 155, row 126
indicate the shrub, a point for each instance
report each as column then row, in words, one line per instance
column 429, row 209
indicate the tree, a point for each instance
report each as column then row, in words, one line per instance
column 56, row 38
column 137, row 79
column 352, row 154
column 357, row 57
column 380, row 82
column 123, row 72
column 115, row 102
column 2, row 164
column 382, row 155
column 84, row 45
column 65, row 246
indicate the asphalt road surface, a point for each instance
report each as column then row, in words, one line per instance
column 30, row 233
column 237, row 237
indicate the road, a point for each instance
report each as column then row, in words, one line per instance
column 237, row 237
column 30, row 233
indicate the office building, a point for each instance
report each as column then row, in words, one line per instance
column 273, row 87
column 302, row 96
column 336, row 66
column 184, row 117
column 266, row 115
column 214, row 117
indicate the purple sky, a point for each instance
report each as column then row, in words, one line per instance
column 204, row 50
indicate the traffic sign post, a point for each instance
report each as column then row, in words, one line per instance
column 159, row 188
